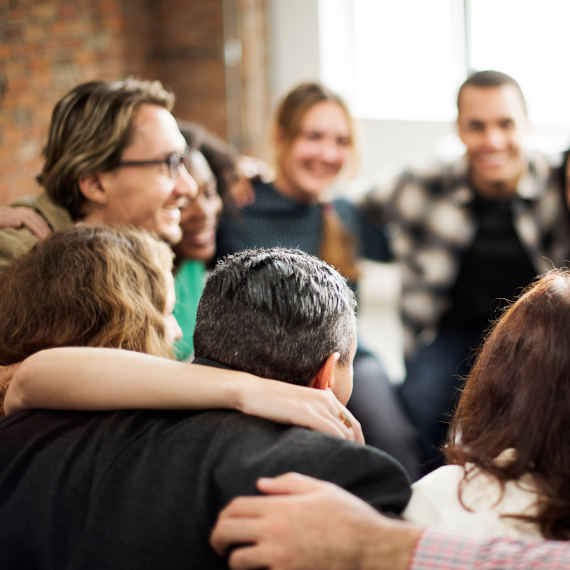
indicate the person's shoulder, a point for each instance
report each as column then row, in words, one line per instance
column 435, row 174
column 263, row 448
column 343, row 204
column 543, row 162
column 301, row 445
column 421, row 180
column 15, row 242
column 441, row 478
column 264, row 191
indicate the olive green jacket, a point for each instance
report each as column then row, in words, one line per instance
column 16, row 242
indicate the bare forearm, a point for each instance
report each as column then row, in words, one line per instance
column 102, row 379
column 109, row 379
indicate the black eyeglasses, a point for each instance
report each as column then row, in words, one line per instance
column 173, row 161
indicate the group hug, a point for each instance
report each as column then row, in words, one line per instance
column 182, row 381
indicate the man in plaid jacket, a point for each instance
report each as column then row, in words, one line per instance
column 468, row 235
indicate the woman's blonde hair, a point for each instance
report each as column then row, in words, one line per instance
column 86, row 286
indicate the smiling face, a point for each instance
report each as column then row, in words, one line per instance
column 491, row 123
column 146, row 196
column 317, row 154
column 200, row 217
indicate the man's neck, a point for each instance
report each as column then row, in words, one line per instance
column 499, row 190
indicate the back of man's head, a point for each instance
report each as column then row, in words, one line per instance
column 90, row 126
column 276, row 313
column 488, row 79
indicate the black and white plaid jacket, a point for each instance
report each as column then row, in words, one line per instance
column 431, row 225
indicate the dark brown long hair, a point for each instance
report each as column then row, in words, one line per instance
column 518, row 396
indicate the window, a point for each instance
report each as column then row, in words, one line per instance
column 404, row 59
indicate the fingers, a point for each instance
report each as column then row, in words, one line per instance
column 356, row 428
column 242, row 541
column 229, row 531
column 330, row 422
column 343, row 419
column 290, row 484
column 18, row 217
column 242, row 192
column 35, row 223
column 250, row 557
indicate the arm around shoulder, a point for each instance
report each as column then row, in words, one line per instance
column 85, row 378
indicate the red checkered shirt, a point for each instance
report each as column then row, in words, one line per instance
column 444, row 551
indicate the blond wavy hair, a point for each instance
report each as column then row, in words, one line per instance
column 86, row 286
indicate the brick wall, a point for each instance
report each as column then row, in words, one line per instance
column 48, row 46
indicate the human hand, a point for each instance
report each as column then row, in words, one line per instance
column 315, row 409
column 19, row 216
column 310, row 524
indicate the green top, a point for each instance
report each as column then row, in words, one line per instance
column 188, row 285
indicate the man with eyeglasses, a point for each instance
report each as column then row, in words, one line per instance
column 114, row 155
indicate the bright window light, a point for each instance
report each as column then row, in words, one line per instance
column 528, row 40
column 404, row 59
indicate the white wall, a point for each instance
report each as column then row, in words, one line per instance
column 293, row 40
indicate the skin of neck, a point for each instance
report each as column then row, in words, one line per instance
column 496, row 190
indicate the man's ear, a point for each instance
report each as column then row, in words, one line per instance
column 92, row 188
column 278, row 134
column 324, row 378
column 458, row 130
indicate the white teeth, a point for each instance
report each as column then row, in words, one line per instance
column 493, row 159
column 173, row 213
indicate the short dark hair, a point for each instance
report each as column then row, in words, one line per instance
column 277, row 313
column 487, row 79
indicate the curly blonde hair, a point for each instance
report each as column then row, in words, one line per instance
column 86, row 286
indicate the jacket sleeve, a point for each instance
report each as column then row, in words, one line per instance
column 364, row 471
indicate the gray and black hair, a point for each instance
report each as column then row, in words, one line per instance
column 277, row 313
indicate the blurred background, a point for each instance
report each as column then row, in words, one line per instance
column 397, row 63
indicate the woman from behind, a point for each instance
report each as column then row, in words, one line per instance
column 510, row 438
